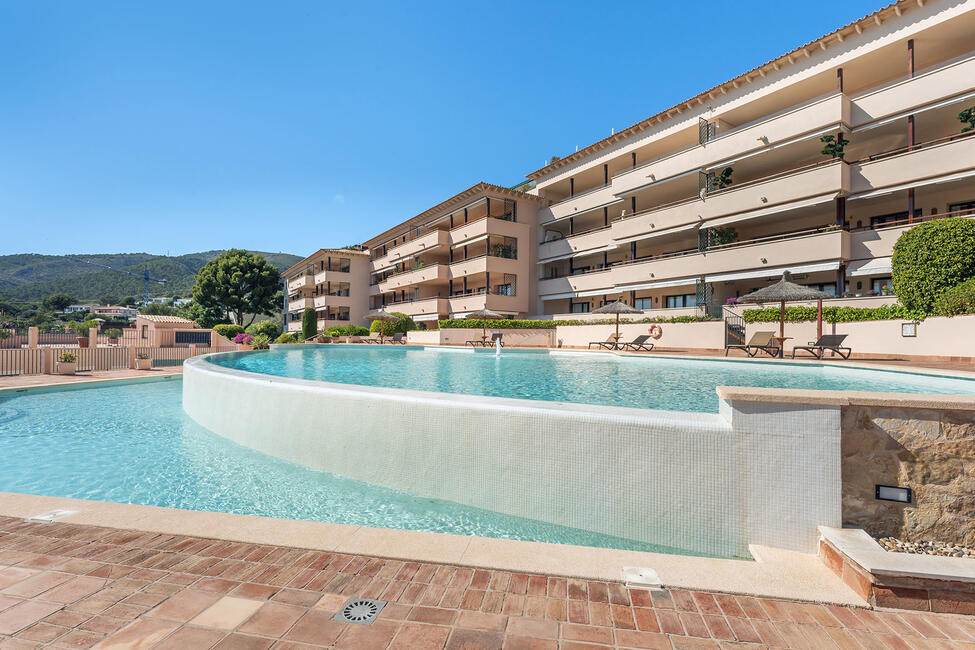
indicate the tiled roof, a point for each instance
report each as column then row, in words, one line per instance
column 165, row 319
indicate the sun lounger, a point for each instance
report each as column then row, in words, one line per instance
column 611, row 343
column 397, row 338
column 831, row 342
column 640, row 343
column 486, row 343
column 759, row 342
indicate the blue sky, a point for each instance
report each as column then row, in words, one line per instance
column 174, row 127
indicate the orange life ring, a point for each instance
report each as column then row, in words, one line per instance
column 656, row 331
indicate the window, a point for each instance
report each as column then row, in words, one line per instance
column 145, row 331
column 883, row 286
column 502, row 289
column 578, row 307
column 892, row 217
column 825, row 287
column 968, row 207
column 683, row 300
column 643, row 303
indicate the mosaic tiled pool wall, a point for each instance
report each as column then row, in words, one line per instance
column 701, row 482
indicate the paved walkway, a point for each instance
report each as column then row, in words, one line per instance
column 76, row 586
column 33, row 381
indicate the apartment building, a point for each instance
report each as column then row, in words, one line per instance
column 719, row 194
column 334, row 282
column 475, row 250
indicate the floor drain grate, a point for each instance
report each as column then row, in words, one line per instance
column 360, row 610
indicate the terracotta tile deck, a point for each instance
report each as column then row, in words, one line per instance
column 76, row 586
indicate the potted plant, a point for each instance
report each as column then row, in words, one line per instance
column 113, row 335
column 833, row 145
column 243, row 341
column 143, row 360
column 66, row 363
column 81, row 329
column 261, row 342
column 722, row 179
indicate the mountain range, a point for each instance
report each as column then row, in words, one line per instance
column 29, row 277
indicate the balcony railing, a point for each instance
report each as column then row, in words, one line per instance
column 914, row 147
column 582, row 193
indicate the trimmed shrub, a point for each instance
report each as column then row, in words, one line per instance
column 402, row 325
column 347, row 330
column 261, row 342
column 268, row 328
column 309, row 323
column 959, row 299
column 228, row 331
column 513, row 324
column 830, row 314
column 931, row 258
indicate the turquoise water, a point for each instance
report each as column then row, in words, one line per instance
column 132, row 443
column 642, row 382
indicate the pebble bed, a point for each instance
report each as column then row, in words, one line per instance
column 926, row 548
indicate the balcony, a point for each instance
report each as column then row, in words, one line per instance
column 792, row 123
column 306, row 280
column 925, row 160
column 332, row 301
column 485, row 264
column 787, row 249
column 586, row 242
column 331, row 276
column 582, row 201
column 945, row 80
column 473, row 302
column 416, row 246
column 476, row 230
column 431, row 273
column 421, row 307
column 598, row 281
column 300, row 303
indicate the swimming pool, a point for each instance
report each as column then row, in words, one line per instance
column 602, row 379
column 132, row 443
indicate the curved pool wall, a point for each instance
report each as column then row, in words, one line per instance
column 764, row 474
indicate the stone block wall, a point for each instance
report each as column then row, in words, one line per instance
column 931, row 451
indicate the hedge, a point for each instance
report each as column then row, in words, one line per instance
column 830, row 314
column 228, row 330
column 309, row 323
column 932, row 258
column 957, row 300
column 512, row 324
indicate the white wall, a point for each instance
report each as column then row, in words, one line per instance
column 702, row 335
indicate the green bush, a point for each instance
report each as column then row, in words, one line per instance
column 261, row 342
column 401, row 325
column 285, row 338
column 511, row 324
column 931, row 258
column 113, row 333
column 830, row 314
column 347, row 330
column 959, row 299
column 268, row 328
column 80, row 328
column 309, row 323
column 228, row 330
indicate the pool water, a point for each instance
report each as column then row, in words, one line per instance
column 132, row 443
column 643, row 382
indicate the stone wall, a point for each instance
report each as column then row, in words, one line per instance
column 931, row 451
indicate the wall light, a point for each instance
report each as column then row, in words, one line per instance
column 893, row 493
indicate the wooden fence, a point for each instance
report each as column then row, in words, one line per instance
column 30, row 361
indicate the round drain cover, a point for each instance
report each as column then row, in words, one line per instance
column 360, row 610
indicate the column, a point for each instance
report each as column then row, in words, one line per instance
column 32, row 337
column 910, row 205
column 93, row 337
column 132, row 357
column 840, row 211
column 841, row 280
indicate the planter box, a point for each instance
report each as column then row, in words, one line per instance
column 143, row 364
column 65, row 367
column 241, row 346
column 82, row 341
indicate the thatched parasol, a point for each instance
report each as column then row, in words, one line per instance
column 381, row 315
column 617, row 308
column 782, row 292
column 485, row 315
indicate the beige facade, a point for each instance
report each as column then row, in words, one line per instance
column 644, row 215
column 720, row 194
column 332, row 281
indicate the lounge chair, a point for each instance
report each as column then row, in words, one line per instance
column 640, row 343
column 396, row 338
column 831, row 342
column 759, row 342
column 611, row 343
column 487, row 343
